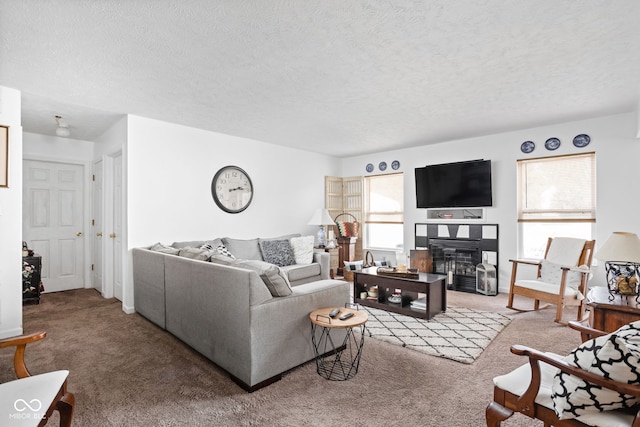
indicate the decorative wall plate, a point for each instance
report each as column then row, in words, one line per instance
column 552, row 144
column 370, row 167
column 581, row 140
column 395, row 165
column 527, row 147
column 382, row 166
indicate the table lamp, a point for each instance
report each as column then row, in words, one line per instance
column 321, row 218
column 621, row 256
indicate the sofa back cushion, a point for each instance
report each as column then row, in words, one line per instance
column 243, row 249
column 197, row 243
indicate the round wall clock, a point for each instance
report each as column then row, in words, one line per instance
column 232, row 189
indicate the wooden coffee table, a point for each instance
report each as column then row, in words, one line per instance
column 337, row 362
column 432, row 286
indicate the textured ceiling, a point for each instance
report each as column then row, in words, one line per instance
column 334, row 76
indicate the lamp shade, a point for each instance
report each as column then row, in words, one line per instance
column 620, row 246
column 320, row 217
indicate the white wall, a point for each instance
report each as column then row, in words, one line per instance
column 11, row 220
column 170, row 168
column 613, row 138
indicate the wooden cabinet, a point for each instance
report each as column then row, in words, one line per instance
column 609, row 315
column 347, row 251
column 31, row 276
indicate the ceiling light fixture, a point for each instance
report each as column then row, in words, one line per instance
column 63, row 128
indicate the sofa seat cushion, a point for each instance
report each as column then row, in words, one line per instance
column 272, row 276
column 517, row 382
column 301, row 271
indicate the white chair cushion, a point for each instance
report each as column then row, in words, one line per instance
column 25, row 401
column 517, row 382
column 565, row 251
column 551, row 288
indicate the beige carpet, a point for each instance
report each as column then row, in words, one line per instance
column 127, row 372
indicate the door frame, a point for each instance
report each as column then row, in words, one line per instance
column 86, row 208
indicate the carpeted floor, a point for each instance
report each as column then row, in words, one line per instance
column 127, row 372
column 459, row 334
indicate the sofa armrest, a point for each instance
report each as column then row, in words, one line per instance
column 323, row 258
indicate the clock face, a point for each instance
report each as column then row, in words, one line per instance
column 232, row 189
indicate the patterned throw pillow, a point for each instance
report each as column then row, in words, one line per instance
column 615, row 356
column 277, row 252
column 353, row 266
column 222, row 250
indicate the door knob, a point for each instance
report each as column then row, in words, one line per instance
column 99, row 234
column 112, row 235
column 79, row 233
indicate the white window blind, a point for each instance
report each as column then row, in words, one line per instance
column 557, row 189
column 385, row 202
column 384, row 211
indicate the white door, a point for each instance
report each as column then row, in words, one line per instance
column 53, row 221
column 117, row 227
column 97, row 228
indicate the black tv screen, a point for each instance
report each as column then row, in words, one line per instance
column 454, row 185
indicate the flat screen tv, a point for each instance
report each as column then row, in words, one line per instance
column 454, row 185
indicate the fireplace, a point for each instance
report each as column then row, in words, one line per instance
column 456, row 249
column 457, row 259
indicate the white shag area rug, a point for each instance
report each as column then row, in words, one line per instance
column 459, row 334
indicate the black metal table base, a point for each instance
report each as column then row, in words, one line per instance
column 338, row 363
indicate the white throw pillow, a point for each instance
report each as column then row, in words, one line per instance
column 302, row 249
column 552, row 273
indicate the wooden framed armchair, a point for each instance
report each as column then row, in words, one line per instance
column 561, row 278
column 528, row 390
column 31, row 399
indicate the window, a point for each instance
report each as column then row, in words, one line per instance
column 384, row 211
column 556, row 197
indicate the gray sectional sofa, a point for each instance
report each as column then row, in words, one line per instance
column 240, row 314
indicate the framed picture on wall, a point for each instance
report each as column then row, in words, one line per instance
column 4, row 156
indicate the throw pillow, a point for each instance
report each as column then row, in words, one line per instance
column 552, row 273
column 165, row 249
column 383, row 263
column 272, row 276
column 277, row 252
column 222, row 250
column 615, row 356
column 353, row 266
column 195, row 253
column 302, row 249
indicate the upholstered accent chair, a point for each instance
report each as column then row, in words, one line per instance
column 592, row 386
column 562, row 276
column 31, row 399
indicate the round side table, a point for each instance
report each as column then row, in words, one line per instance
column 337, row 362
